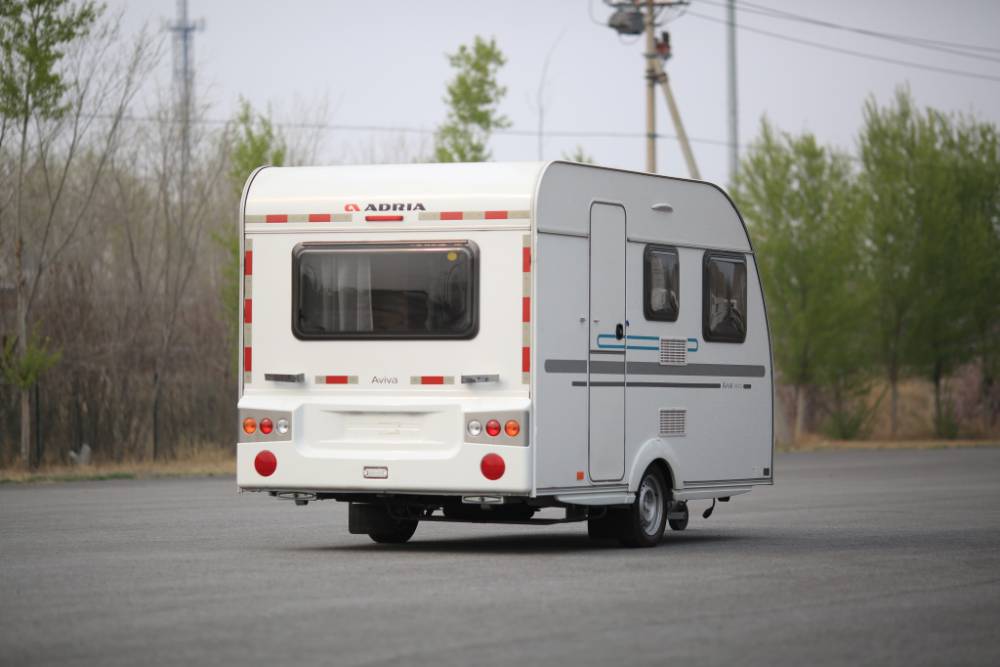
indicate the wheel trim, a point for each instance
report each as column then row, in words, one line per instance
column 650, row 506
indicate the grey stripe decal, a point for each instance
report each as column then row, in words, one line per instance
column 676, row 385
column 618, row 352
column 725, row 482
column 653, row 368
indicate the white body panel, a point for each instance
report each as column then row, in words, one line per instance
column 546, row 273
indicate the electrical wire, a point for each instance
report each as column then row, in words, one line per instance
column 851, row 52
column 954, row 48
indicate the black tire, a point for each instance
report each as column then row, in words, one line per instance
column 646, row 519
column 399, row 533
column 679, row 524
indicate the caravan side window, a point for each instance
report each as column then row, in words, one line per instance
column 724, row 312
column 660, row 283
column 385, row 290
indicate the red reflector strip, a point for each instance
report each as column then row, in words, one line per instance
column 247, row 311
column 319, row 217
column 525, row 359
column 496, row 215
column 248, row 263
column 451, row 215
column 383, row 218
column 526, row 309
column 247, row 355
column 337, row 379
column 431, row 379
column 276, row 218
column 526, row 259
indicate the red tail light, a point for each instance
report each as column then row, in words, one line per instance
column 266, row 426
column 492, row 466
column 265, row 463
column 493, row 427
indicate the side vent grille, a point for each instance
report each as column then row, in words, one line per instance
column 673, row 352
column 673, row 422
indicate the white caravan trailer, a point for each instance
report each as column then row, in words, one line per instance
column 475, row 342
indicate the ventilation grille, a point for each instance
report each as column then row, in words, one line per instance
column 673, row 421
column 673, row 352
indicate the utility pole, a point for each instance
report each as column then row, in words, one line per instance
column 734, row 128
column 183, row 31
column 650, row 88
column 636, row 17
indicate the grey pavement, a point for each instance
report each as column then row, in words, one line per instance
column 851, row 558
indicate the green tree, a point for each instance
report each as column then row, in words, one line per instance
column 800, row 203
column 578, row 154
column 255, row 142
column 473, row 98
column 928, row 212
column 34, row 36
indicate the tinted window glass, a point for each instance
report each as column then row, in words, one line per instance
column 384, row 290
column 661, row 283
column 725, row 308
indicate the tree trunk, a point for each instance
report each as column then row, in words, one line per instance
column 938, row 425
column 800, row 412
column 893, row 406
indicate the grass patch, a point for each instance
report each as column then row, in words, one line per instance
column 816, row 445
column 218, row 463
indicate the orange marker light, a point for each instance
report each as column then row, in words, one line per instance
column 512, row 428
column 249, row 425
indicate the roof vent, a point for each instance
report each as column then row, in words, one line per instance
column 673, row 422
column 673, row 352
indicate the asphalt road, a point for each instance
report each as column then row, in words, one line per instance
column 851, row 558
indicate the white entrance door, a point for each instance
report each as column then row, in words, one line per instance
column 607, row 342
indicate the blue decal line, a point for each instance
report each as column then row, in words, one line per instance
column 616, row 345
column 694, row 342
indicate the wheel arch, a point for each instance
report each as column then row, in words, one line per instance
column 654, row 452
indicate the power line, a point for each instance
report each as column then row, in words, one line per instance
column 907, row 39
column 851, row 52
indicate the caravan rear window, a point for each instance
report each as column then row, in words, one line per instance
column 385, row 290
column 724, row 314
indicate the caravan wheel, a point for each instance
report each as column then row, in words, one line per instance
column 647, row 517
column 399, row 532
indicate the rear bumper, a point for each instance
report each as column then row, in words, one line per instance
column 457, row 474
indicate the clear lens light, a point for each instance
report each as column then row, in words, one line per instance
column 475, row 428
column 282, row 426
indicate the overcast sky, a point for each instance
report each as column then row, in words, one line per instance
column 382, row 64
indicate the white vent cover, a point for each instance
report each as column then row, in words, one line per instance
column 673, row 421
column 673, row 352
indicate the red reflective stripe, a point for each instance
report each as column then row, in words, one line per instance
column 276, row 218
column 451, row 215
column 496, row 215
column 319, row 217
column 247, row 311
column 431, row 379
column 336, row 379
column 526, row 309
column 526, row 255
column 525, row 359
column 248, row 263
column 246, row 359
column 384, row 218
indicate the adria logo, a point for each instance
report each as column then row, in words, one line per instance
column 387, row 206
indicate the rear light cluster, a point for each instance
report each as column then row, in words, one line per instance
column 265, row 426
column 475, row 428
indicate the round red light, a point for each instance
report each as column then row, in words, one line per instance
column 511, row 428
column 493, row 427
column 266, row 426
column 265, row 463
column 249, row 425
column 492, row 466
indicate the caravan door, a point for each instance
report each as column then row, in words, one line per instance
column 606, row 370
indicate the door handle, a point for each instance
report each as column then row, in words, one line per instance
column 620, row 331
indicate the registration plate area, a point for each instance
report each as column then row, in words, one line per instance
column 347, row 432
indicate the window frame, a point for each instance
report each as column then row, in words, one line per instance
column 305, row 247
column 734, row 257
column 647, row 310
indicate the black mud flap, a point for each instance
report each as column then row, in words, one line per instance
column 365, row 518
